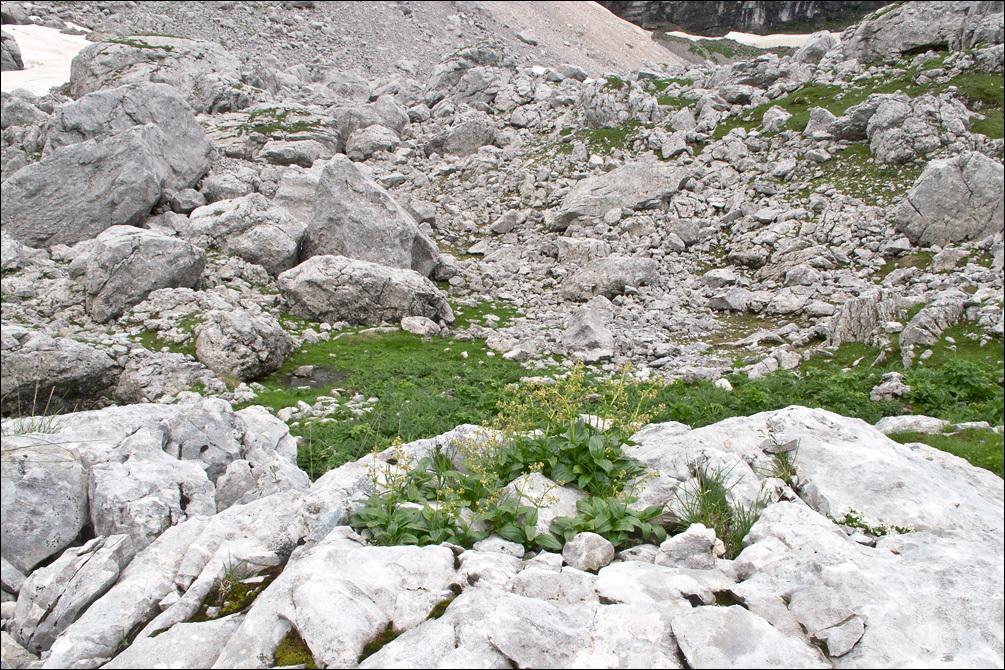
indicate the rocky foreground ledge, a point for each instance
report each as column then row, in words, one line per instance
column 153, row 507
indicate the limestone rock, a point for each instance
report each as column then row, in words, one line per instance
column 206, row 74
column 190, row 645
column 123, row 265
column 40, row 476
column 250, row 227
column 336, row 288
column 609, row 277
column 10, row 53
column 356, row 218
column 955, row 199
column 727, row 637
column 633, row 186
column 238, row 344
column 102, row 114
column 79, row 190
column 41, row 371
column 691, row 549
column 914, row 25
column 588, row 551
column 53, row 597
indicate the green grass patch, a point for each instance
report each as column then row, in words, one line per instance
column 918, row 259
column 980, row 447
column 984, row 93
column 854, row 172
column 605, row 140
column 615, row 82
column 383, row 639
column 231, row 595
column 293, row 651
column 271, row 120
column 425, row 389
column 478, row 315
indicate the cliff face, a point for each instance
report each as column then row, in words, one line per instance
column 718, row 18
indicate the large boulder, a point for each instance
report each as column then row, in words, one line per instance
column 815, row 48
column 77, row 191
column 609, row 277
column 336, row 288
column 908, row 27
column 39, row 477
column 105, row 113
column 41, row 371
column 250, row 227
column 632, row 186
column 123, row 265
column 206, row 74
column 469, row 132
column 241, row 345
column 10, row 53
column 902, row 128
column 955, row 199
column 355, row 217
column 54, row 596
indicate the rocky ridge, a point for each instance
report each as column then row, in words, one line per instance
column 595, row 206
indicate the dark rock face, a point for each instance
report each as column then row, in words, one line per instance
column 718, row 18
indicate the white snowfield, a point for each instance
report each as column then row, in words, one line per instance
column 46, row 53
column 761, row 41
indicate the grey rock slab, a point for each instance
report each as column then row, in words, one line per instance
column 566, row 585
column 420, row 325
column 11, row 578
column 293, row 152
column 633, row 186
column 336, row 288
column 239, row 344
column 609, row 277
column 954, row 199
column 96, row 636
column 185, row 645
column 251, row 227
column 374, row 586
column 147, row 493
column 355, row 217
column 77, row 191
column 152, row 376
column 123, row 265
column 53, row 597
column 10, row 53
column 587, row 331
column 691, row 549
column 891, row 32
column 891, row 586
column 105, row 113
column 469, row 132
column 206, row 74
column 889, row 425
column 588, row 551
column 37, row 475
column 366, row 142
column 732, row 637
column 60, row 372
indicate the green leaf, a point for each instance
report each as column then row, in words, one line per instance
column 548, row 541
column 596, row 446
column 512, row 533
column 529, row 530
column 652, row 511
column 660, row 533
column 408, row 538
column 605, row 465
column 626, row 524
